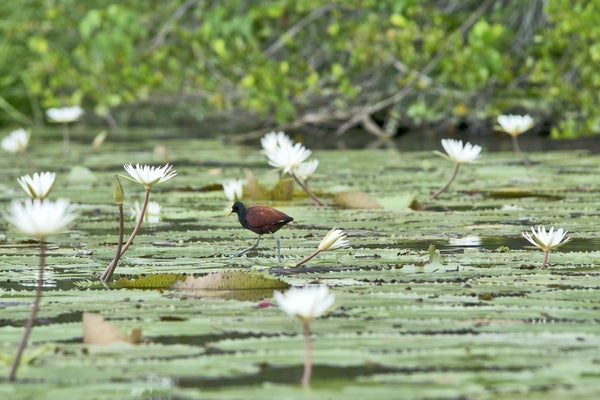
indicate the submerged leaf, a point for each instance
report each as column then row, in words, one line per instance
column 356, row 199
column 235, row 285
column 152, row 281
column 515, row 192
column 231, row 280
column 96, row 330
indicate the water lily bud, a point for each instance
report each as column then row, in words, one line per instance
column 334, row 239
column 118, row 194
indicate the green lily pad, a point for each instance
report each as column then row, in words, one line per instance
column 150, row 281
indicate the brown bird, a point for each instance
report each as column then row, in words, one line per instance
column 260, row 220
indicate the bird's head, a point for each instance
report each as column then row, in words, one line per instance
column 236, row 207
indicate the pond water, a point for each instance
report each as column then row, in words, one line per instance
column 472, row 316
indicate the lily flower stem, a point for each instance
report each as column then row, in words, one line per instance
column 517, row 149
column 515, row 144
column 30, row 322
column 310, row 194
column 113, row 264
column 304, row 260
column 307, row 355
column 108, row 273
column 29, row 161
column 138, row 223
column 443, row 188
column 545, row 260
column 66, row 141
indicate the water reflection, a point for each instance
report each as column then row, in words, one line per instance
column 428, row 139
column 465, row 241
column 31, row 276
column 493, row 243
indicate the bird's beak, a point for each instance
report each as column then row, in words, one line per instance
column 230, row 210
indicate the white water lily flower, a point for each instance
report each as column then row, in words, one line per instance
column 233, row 189
column 514, row 125
column 38, row 185
column 306, row 169
column 458, row 153
column 152, row 214
column 64, row 114
column 40, row 218
column 149, row 176
column 546, row 240
column 16, row 141
column 334, row 239
column 273, row 140
column 306, row 303
column 288, row 157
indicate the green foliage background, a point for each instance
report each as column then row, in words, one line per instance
column 288, row 62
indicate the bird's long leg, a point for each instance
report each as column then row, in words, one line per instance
column 278, row 248
column 249, row 248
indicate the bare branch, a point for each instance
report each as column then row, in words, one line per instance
column 159, row 39
column 359, row 113
column 287, row 35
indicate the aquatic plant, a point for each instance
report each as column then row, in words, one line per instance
column 233, row 189
column 515, row 125
column 16, row 143
column 65, row 116
column 38, row 185
column 306, row 304
column 38, row 219
column 546, row 240
column 147, row 176
column 152, row 214
column 334, row 239
column 459, row 154
column 289, row 158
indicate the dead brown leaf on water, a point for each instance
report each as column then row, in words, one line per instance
column 356, row 199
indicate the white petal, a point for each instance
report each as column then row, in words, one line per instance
column 305, row 303
column 40, row 218
column 147, row 175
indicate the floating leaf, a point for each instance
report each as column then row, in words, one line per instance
column 79, row 174
column 96, row 330
column 355, row 199
column 151, row 281
column 402, row 201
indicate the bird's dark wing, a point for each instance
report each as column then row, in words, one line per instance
column 265, row 219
